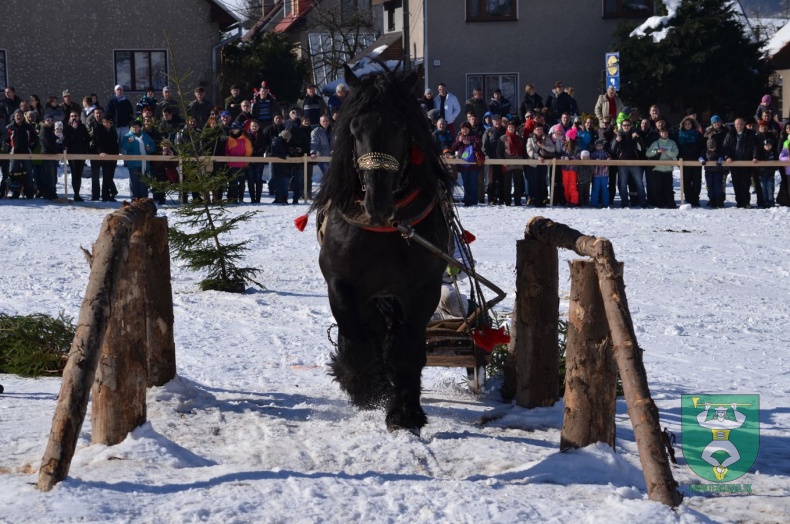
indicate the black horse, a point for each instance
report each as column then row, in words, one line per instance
column 382, row 288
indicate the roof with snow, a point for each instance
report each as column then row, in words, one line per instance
column 778, row 42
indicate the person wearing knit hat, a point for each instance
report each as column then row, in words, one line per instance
column 121, row 110
column 766, row 103
column 715, row 173
column 570, row 176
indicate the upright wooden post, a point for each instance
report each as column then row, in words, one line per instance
column 308, row 177
column 159, row 305
column 109, row 254
column 590, row 370
column 642, row 411
column 535, row 317
column 682, row 191
column 122, row 375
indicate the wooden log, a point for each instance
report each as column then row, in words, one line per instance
column 590, row 371
column 161, row 345
column 122, row 375
column 534, row 329
column 109, row 252
column 661, row 486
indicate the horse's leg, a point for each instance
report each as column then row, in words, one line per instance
column 357, row 365
column 406, row 358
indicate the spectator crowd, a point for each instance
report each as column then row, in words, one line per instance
column 259, row 126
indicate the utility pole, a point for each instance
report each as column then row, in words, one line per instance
column 406, row 43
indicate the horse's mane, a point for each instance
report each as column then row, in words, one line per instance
column 380, row 91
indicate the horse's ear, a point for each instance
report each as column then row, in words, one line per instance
column 351, row 79
column 412, row 81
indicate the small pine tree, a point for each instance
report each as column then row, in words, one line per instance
column 198, row 238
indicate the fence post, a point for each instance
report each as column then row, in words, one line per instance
column 65, row 175
column 551, row 189
column 682, row 191
column 308, row 177
column 590, row 370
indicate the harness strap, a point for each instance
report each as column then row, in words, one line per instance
column 402, row 206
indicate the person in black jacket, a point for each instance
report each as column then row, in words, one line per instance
column 21, row 138
column 281, row 174
column 299, row 146
column 104, row 141
column 269, row 133
column 121, row 112
column 49, row 146
column 741, row 145
column 78, row 142
column 627, row 145
column 530, row 101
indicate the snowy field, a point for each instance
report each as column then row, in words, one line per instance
column 254, row 430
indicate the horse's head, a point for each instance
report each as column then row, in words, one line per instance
column 382, row 140
column 381, row 143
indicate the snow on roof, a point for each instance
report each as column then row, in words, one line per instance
column 780, row 39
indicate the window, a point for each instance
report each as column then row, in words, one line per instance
column 507, row 82
column 627, row 8
column 136, row 70
column 3, row 70
column 491, row 10
column 328, row 55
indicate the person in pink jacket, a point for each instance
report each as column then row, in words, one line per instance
column 237, row 145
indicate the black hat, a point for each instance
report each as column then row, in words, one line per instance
column 691, row 111
column 711, row 143
column 768, row 142
column 234, row 86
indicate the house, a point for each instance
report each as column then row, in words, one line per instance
column 778, row 52
column 90, row 46
column 506, row 44
column 328, row 33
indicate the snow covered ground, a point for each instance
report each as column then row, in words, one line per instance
column 254, row 430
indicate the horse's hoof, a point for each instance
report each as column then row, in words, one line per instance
column 414, row 431
column 406, row 419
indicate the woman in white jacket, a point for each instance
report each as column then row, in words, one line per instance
column 452, row 108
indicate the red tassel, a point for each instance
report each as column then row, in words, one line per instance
column 416, row 156
column 488, row 338
column 469, row 237
column 301, row 222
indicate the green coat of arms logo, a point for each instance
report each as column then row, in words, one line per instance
column 721, row 434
